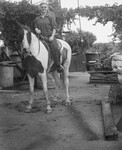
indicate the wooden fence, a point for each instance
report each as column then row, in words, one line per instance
column 78, row 63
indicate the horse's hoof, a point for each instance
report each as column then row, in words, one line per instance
column 48, row 111
column 67, row 103
column 27, row 110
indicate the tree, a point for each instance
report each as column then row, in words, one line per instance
column 25, row 13
column 103, row 15
column 63, row 15
column 80, row 41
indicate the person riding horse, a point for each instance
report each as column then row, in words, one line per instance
column 36, row 64
column 45, row 25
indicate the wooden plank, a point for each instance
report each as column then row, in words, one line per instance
column 106, row 72
column 119, row 125
column 9, row 91
column 103, row 74
column 105, row 79
column 101, row 81
column 110, row 79
column 98, row 77
column 110, row 129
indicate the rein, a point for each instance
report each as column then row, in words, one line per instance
column 28, row 34
column 29, row 39
column 39, row 44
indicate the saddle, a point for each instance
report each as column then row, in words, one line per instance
column 45, row 41
column 63, row 51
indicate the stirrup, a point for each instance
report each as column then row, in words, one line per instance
column 60, row 69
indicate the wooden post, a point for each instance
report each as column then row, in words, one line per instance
column 110, row 129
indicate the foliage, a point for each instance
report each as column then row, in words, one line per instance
column 80, row 41
column 63, row 15
column 105, row 50
column 13, row 13
column 103, row 15
column 25, row 13
column 102, row 47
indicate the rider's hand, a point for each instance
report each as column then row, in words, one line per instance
column 51, row 38
column 37, row 31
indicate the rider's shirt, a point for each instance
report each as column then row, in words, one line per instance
column 46, row 24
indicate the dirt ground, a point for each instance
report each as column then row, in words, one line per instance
column 75, row 127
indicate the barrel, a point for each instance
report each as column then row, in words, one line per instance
column 90, row 59
column 17, row 59
column 6, row 76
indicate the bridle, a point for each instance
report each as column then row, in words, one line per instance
column 29, row 39
column 38, row 43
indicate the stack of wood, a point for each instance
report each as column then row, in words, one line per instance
column 103, row 77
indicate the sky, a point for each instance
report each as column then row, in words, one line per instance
column 101, row 32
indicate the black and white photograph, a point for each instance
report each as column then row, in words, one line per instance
column 60, row 74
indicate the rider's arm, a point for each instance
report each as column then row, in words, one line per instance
column 37, row 31
column 53, row 25
column 37, row 26
column 54, row 32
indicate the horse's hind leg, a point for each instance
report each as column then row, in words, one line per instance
column 57, row 83
column 31, row 89
column 44, row 83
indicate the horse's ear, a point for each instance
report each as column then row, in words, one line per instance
column 27, row 28
column 19, row 25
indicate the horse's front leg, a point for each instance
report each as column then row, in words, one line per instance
column 44, row 83
column 66, row 84
column 31, row 89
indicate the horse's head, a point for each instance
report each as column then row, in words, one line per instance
column 18, row 28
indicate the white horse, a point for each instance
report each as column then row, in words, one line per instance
column 37, row 49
